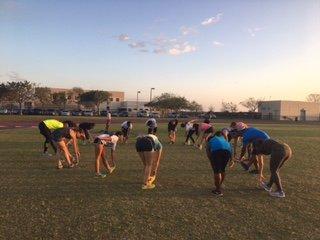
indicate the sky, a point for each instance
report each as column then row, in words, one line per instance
column 208, row 51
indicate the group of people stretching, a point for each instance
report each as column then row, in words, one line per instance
column 255, row 144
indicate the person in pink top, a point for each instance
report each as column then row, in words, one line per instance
column 205, row 129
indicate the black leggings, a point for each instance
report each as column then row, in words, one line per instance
column 45, row 131
column 277, row 159
column 189, row 135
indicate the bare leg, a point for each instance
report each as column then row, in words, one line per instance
column 217, row 181
column 105, row 161
column 66, row 152
column 148, row 157
column 156, row 162
column 98, row 153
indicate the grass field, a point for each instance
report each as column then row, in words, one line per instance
column 39, row 202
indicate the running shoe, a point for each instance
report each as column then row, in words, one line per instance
column 100, row 175
column 254, row 171
column 244, row 166
column 279, row 194
column 148, row 186
column 60, row 165
column 151, row 179
column 112, row 169
column 217, row 193
column 265, row 186
column 47, row 154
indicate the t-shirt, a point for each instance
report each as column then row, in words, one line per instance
column 219, row 143
column 189, row 126
column 108, row 116
column 157, row 143
column 172, row 125
column 126, row 126
column 112, row 144
column 151, row 123
column 252, row 134
column 205, row 126
column 53, row 124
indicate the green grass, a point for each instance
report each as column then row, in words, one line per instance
column 39, row 202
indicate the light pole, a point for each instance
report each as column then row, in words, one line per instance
column 151, row 93
column 151, row 97
column 138, row 100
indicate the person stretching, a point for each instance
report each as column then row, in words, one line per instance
column 279, row 154
column 219, row 152
column 149, row 149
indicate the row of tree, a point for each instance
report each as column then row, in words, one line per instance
column 20, row 92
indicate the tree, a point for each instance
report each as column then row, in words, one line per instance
column 168, row 101
column 96, row 97
column 77, row 91
column 194, row 106
column 3, row 92
column 43, row 94
column 251, row 104
column 20, row 92
column 229, row 107
column 211, row 108
column 60, row 99
column 314, row 97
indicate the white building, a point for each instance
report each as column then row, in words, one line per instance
column 290, row 110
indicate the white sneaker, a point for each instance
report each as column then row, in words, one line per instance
column 47, row 154
column 279, row 194
column 265, row 186
column 100, row 175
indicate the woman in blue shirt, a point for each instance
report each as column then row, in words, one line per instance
column 219, row 152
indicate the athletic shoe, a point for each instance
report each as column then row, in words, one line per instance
column 279, row 194
column 265, row 186
column 100, row 175
column 244, row 166
column 47, row 154
column 148, row 186
column 254, row 171
column 217, row 193
column 60, row 165
column 112, row 169
column 151, row 179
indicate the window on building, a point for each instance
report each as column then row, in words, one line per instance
column 117, row 99
column 111, row 99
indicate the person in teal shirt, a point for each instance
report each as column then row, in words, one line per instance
column 219, row 152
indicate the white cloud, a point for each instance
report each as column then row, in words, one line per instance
column 188, row 30
column 212, row 20
column 137, row 44
column 144, row 50
column 253, row 31
column 218, row 44
column 123, row 37
column 179, row 49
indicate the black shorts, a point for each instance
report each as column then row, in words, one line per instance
column 125, row 132
column 219, row 160
column 45, row 131
column 152, row 130
column 145, row 144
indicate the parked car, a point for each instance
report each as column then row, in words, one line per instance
column 114, row 114
column 142, row 113
column 4, row 111
column 51, row 112
column 76, row 113
column 154, row 115
column 87, row 113
column 183, row 115
column 65, row 113
column 173, row 115
column 103, row 113
column 123, row 114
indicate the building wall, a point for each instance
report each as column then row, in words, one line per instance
column 290, row 110
column 270, row 110
column 296, row 108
